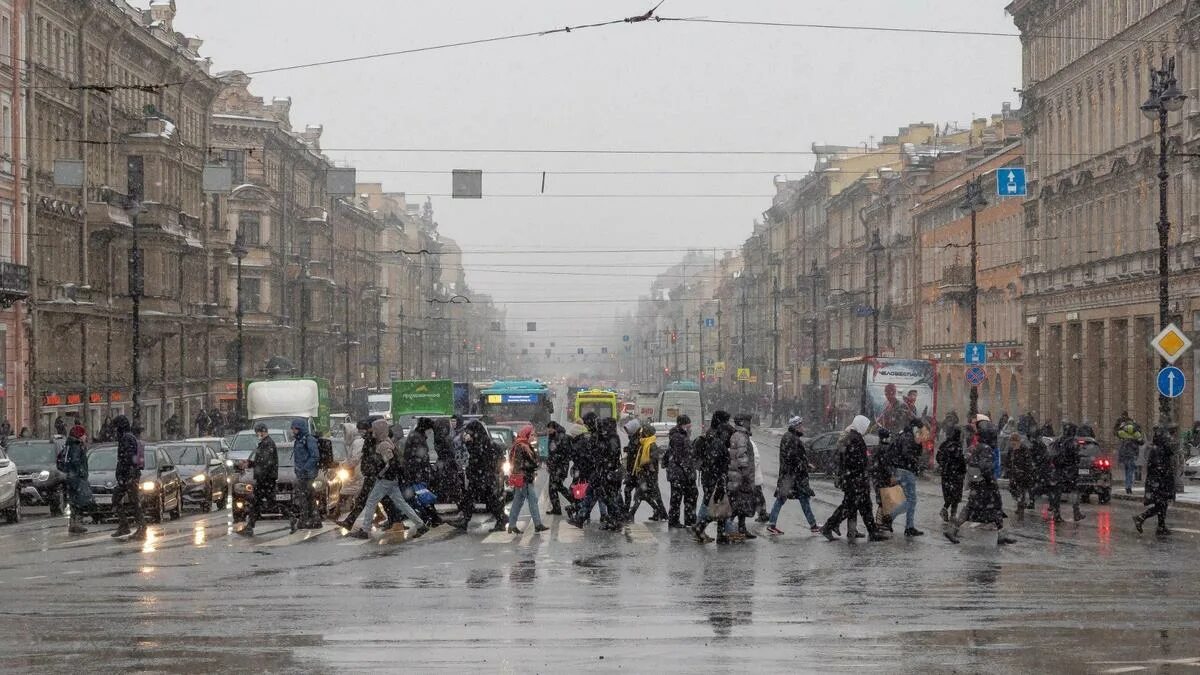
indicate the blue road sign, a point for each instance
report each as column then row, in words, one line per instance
column 710, row 323
column 975, row 353
column 863, row 310
column 1010, row 182
column 624, row 338
column 1171, row 382
column 976, row 376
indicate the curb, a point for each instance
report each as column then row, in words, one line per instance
column 1138, row 498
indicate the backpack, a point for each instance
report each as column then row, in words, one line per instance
column 60, row 459
column 139, row 459
column 324, row 453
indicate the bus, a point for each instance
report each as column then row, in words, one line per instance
column 603, row 402
column 888, row 391
column 519, row 401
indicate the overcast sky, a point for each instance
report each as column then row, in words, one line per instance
column 643, row 86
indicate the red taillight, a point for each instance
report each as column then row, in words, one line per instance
column 1103, row 464
column 1081, row 441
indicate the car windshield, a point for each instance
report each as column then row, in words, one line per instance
column 379, row 407
column 246, row 441
column 187, row 455
column 339, row 449
column 285, row 457
column 602, row 410
column 105, row 459
column 32, row 453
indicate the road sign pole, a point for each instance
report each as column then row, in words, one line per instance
column 974, row 199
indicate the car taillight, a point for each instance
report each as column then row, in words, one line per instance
column 1081, row 441
column 1102, row 464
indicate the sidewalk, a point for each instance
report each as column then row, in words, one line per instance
column 1187, row 500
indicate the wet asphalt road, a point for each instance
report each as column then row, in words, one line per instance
column 1089, row 598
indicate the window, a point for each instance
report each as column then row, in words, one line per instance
column 251, row 294
column 237, row 160
column 6, row 232
column 137, row 178
column 250, row 229
column 5, row 35
column 6, row 133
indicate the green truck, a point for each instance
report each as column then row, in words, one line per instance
column 421, row 398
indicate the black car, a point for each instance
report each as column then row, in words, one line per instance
column 822, row 451
column 206, row 479
column 326, row 488
column 161, row 489
column 40, row 481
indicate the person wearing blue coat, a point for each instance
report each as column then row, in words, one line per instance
column 304, row 459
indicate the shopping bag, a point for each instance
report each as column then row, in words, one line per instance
column 516, row 480
column 720, row 509
column 579, row 491
column 890, row 497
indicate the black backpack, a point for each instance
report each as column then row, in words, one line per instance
column 324, row 453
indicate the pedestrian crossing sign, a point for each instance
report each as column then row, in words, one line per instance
column 743, row 374
column 1171, row 343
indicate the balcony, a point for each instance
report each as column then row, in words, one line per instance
column 14, row 283
column 955, row 284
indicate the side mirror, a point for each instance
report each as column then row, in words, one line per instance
column 5, row 463
column 165, row 468
column 215, row 462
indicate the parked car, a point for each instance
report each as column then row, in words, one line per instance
column 41, row 483
column 206, row 479
column 327, row 486
column 219, row 444
column 1191, row 468
column 10, row 497
column 161, row 489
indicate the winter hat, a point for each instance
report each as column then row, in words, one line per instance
column 795, row 422
column 633, row 426
column 860, row 424
column 683, row 420
column 77, row 431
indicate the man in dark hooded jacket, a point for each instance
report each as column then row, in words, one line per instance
column 1160, row 480
column 984, row 504
column 304, row 461
column 854, row 481
column 127, row 492
column 1064, row 463
column 265, row 462
column 558, row 465
column 482, row 463
column 712, row 451
column 681, row 473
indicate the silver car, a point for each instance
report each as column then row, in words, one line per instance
column 10, row 497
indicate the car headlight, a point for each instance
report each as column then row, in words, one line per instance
column 318, row 484
column 343, row 475
column 506, row 468
column 199, row 478
column 43, row 475
column 229, row 462
column 149, row 486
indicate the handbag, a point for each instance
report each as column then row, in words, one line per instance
column 720, row 509
column 423, row 495
column 516, row 480
column 579, row 491
column 890, row 497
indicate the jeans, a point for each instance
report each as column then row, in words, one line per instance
column 907, row 481
column 388, row 488
column 522, row 495
column 804, row 505
column 1129, row 466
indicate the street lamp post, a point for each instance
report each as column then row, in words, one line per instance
column 775, row 345
column 741, row 382
column 813, row 375
column 379, row 298
column 403, row 373
column 239, row 252
column 303, row 318
column 973, row 202
column 875, row 249
column 136, row 280
column 1165, row 97
column 348, row 339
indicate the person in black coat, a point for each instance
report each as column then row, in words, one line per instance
column 953, row 465
column 712, row 452
column 1064, row 465
column 558, row 466
column 855, row 484
column 1160, row 480
column 1027, row 457
column 483, row 460
column 265, row 462
column 984, row 505
column 681, row 473
column 128, row 479
column 793, row 477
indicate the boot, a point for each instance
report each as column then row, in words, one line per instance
column 851, row 532
column 1137, row 523
column 827, row 532
column 952, row 535
column 555, row 511
column 1078, row 514
column 121, row 531
column 246, row 531
column 876, row 536
column 1162, row 530
column 139, row 534
column 945, row 513
column 76, row 527
column 699, row 535
column 1004, row 540
column 499, row 526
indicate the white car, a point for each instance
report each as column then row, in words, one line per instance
column 10, row 496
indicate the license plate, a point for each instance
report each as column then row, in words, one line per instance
column 1085, row 472
column 283, row 497
column 103, row 499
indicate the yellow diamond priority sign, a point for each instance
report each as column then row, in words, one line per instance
column 1171, row 343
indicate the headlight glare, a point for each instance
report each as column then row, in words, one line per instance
column 149, row 486
column 343, row 475
column 507, row 468
column 199, row 478
column 43, row 475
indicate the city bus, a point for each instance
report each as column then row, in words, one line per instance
column 507, row 402
column 887, row 391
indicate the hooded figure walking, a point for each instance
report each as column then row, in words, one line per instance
column 984, row 504
column 127, row 492
column 482, row 462
column 855, row 484
column 681, row 473
column 78, row 490
column 953, row 465
column 1160, row 481
column 304, row 461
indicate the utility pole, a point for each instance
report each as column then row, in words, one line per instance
column 378, row 339
column 720, row 352
column 400, row 344
column 775, row 343
column 348, row 338
column 875, row 249
column 303, row 317
column 687, row 348
column 239, row 252
column 136, row 287
column 813, row 374
column 675, row 348
column 974, row 201
column 700, row 366
column 742, row 383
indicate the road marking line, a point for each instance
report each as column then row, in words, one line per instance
column 565, row 533
column 499, row 538
column 39, row 576
column 300, row 536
